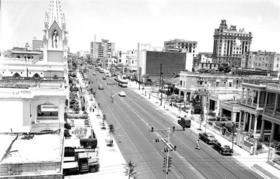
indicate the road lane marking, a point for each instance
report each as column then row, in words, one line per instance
column 198, row 173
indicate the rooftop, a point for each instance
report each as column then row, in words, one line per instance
column 28, row 148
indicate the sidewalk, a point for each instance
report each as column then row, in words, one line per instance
column 111, row 161
column 257, row 163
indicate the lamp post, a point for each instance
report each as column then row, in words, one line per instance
column 161, row 84
column 232, row 139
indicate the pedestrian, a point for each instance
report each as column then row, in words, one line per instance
column 197, row 144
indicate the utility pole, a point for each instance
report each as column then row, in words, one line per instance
column 167, row 162
column 139, row 76
column 202, row 93
column 161, row 83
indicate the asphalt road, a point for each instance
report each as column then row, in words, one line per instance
column 133, row 116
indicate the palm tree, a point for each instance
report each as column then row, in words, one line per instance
column 130, row 170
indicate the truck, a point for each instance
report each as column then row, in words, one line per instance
column 80, row 160
column 185, row 123
column 80, row 149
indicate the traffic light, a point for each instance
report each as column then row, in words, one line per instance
column 169, row 162
column 152, row 129
column 164, row 162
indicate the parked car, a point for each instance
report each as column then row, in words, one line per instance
column 222, row 149
column 103, row 78
column 122, row 94
column 100, row 87
column 206, row 137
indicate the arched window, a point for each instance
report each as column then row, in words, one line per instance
column 16, row 75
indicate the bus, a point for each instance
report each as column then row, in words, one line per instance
column 123, row 85
column 122, row 82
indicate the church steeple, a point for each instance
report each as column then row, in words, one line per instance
column 55, row 35
column 55, row 14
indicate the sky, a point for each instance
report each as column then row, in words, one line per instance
column 127, row 22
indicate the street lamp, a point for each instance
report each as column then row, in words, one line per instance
column 232, row 139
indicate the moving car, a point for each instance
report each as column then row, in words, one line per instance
column 222, row 149
column 100, row 87
column 208, row 138
column 122, row 94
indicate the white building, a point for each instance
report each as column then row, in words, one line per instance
column 32, row 100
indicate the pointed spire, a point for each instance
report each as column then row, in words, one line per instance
column 55, row 13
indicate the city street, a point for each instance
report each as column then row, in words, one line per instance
column 133, row 117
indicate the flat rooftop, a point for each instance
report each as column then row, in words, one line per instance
column 32, row 148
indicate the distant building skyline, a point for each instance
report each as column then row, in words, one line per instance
column 102, row 49
column 128, row 22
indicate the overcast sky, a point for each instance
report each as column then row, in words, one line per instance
column 127, row 22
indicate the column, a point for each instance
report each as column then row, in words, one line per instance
column 255, row 125
column 265, row 101
column 252, row 97
column 240, row 118
column 262, row 130
column 247, row 95
column 275, row 104
column 233, row 116
column 258, row 99
column 242, row 96
column 250, row 122
column 272, row 132
column 245, row 120
column 185, row 96
column 179, row 93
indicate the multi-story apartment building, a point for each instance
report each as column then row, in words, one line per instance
column 263, row 60
column 128, row 58
column 219, row 87
column 103, row 49
column 230, row 44
column 180, row 45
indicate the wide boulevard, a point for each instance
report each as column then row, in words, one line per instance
column 133, row 116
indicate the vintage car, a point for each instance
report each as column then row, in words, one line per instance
column 207, row 137
column 222, row 149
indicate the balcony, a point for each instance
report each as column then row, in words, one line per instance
column 273, row 87
column 26, row 82
column 268, row 111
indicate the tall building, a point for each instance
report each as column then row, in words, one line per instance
column 180, row 45
column 172, row 63
column 230, row 44
column 103, row 49
column 37, row 44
